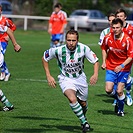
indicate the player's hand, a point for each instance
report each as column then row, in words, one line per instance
column 17, row 47
column 93, row 79
column 103, row 66
column 117, row 69
column 51, row 81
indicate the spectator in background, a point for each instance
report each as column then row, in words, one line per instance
column 62, row 40
column 128, row 29
column 56, row 27
column 4, row 38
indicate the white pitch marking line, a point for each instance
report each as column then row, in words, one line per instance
column 39, row 80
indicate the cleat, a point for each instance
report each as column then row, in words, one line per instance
column 129, row 100
column 85, row 127
column 2, row 76
column 5, row 108
column 120, row 113
column 114, row 103
column 116, row 108
column 7, row 77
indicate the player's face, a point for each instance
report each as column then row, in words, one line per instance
column 122, row 16
column 117, row 29
column 71, row 41
column 110, row 19
column 56, row 9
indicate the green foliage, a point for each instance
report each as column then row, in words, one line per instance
column 41, row 109
column 45, row 7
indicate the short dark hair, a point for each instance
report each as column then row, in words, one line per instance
column 74, row 32
column 116, row 21
column 111, row 15
column 59, row 4
column 119, row 11
column 56, row 6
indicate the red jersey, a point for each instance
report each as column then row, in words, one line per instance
column 128, row 29
column 57, row 20
column 6, row 22
column 118, row 50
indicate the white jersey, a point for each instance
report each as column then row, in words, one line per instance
column 102, row 35
column 71, row 63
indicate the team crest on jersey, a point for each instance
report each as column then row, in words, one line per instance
column 72, row 61
column 47, row 54
column 123, row 45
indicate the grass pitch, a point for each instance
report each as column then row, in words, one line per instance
column 41, row 109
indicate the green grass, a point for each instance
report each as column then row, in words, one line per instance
column 41, row 109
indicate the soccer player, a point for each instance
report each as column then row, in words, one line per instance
column 111, row 16
column 128, row 29
column 56, row 26
column 4, row 38
column 117, row 54
column 72, row 78
column 8, row 106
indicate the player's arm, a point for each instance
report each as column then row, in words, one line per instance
column 104, row 56
column 50, row 79
column 94, row 77
column 17, row 47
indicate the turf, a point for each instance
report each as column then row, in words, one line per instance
column 41, row 109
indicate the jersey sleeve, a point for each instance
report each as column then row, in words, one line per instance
column 49, row 54
column 101, row 38
column 90, row 55
column 10, row 24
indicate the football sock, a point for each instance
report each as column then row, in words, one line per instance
column 85, row 108
column 128, row 86
column 77, row 109
column 4, row 100
column 121, row 100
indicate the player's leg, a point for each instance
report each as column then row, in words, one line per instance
column 128, row 91
column 115, row 93
column 121, row 99
column 69, row 89
column 8, row 106
column 4, row 70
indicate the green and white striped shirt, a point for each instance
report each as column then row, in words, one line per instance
column 102, row 35
column 71, row 63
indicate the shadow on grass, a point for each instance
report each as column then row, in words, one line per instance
column 46, row 127
column 36, row 118
column 73, row 129
column 106, row 112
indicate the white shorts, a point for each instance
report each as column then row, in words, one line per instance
column 79, row 85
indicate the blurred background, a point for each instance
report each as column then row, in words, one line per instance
column 45, row 8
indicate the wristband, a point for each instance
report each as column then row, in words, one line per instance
column 122, row 65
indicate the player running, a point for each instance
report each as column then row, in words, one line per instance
column 72, row 78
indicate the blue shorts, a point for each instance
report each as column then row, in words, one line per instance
column 56, row 37
column 116, row 77
column 4, row 46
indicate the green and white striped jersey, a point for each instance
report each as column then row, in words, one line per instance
column 102, row 35
column 71, row 63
